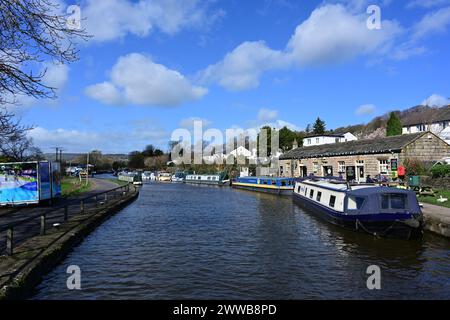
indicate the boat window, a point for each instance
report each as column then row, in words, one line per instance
column 393, row 201
column 355, row 203
column 306, row 191
column 274, row 182
column 311, row 193
column 199, row 178
column 283, row 183
column 298, row 189
column 319, row 195
column 332, row 201
column 209, row 178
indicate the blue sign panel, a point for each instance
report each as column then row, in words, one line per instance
column 45, row 182
column 18, row 183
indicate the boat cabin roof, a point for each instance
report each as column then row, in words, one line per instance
column 266, row 178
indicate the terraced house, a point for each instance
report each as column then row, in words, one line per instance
column 373, row 157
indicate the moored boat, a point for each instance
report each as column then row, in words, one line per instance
column 211, row 179
column 381, row 211
column 275, row 185
column 164, row 176
column 178, row 177
column 133, row 177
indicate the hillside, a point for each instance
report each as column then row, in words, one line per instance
column 377, row 126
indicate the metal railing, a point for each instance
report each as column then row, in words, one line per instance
column 37, row 223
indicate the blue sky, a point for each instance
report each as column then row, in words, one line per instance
column 154, row 66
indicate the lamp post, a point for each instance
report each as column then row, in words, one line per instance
column 87, row 168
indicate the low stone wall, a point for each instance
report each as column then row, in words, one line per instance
column 435, row 183
column 25, row 269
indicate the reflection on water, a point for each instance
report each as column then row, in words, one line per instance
column 179, row 241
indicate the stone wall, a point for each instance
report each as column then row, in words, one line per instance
column 426, row 148
column 371, row 164
column 436, row 183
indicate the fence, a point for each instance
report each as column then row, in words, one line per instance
column 38, row 223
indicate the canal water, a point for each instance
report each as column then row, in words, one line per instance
column 179, row 241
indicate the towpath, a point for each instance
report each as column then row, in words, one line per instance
column 437, row 219
column 11, row 215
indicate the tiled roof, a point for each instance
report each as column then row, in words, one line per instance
column 372, row 146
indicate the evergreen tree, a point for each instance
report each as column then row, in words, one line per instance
column 319, row 126
column 394, row 126
column 308, row 128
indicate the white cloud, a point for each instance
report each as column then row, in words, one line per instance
column 268, row 117
column 56, row 75
column 241, row 68
column 136, row 79
column 108, row 142
column 109, row 20
column 426, row 3
column 365, row 109
column 436, row 100
column 331, row 34
column 265, row 115
column 105, row 92
column 432, row 23
column 188, row 123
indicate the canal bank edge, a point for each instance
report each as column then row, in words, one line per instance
column 49, row 250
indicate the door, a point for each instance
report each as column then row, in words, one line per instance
column 360, row 174
column 304, row 171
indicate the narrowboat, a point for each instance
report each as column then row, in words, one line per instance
column 210, row 179
column 178, row 177
column 133, row 177
column 380, row 211
column 280, row 186
column 164, row 176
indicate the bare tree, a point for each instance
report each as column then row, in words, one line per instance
column 32, row 31
column 14, row 143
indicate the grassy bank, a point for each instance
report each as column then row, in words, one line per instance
column 71, row 186
column 433, row 200
column 118, row 182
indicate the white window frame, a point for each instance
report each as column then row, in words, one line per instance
column 383, row 166
column 341, row 166
column 315, row 167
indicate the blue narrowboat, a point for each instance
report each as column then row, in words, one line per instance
column 280, row 186
column 380, row 211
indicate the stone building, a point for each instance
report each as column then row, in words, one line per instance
column 363, row 157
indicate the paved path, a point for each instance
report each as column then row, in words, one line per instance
column 11, row 215
column 437, row 219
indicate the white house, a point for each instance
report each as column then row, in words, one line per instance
column 316, row 140
column 438, row 123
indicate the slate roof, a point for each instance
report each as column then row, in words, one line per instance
column 372, row 146
column 333, row 135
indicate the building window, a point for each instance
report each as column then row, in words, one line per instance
column 315, row 167
column 336, row 140
column 341, row 166
column 308, row 141
column 383, row 166
column 317, row 140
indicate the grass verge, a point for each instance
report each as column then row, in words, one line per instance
column 71, row 186
column 433, row 200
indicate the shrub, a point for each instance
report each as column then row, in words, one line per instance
column 415, row 167
column 440, row 171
